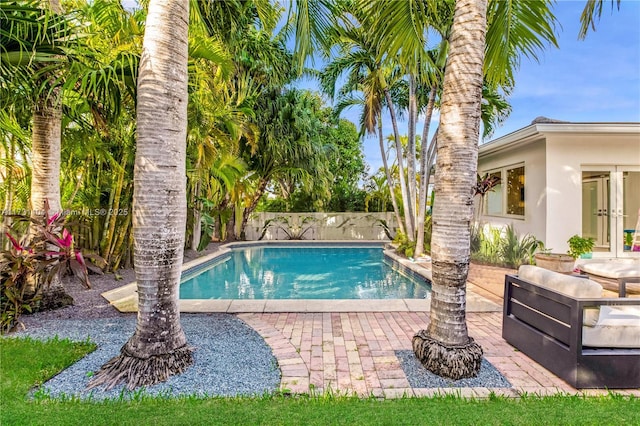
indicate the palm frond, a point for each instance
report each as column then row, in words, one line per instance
column 590, row 14
column 515, row 29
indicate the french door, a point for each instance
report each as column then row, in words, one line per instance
column 610, row 208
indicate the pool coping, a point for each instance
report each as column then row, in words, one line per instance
column 125, row 298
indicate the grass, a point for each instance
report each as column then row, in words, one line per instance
column 25, row 363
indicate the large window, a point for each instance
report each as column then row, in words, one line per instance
column 507, row 197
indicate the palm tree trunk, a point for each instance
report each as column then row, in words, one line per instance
column 217, row 227
column 445, row 348
column 79, row 182
column 411, row 148
column 425, row 177
column 120, row 249
column 158, row 349
column 45, row 184
column 46, row 143
column 230, row 227
column 45, row 156
column 427, row 155
column 390, row 183
column 406, row 202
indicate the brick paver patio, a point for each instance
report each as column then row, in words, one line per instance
column 354, row 352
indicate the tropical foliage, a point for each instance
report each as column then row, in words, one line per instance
column 30, row 266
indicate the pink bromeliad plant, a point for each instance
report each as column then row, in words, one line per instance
column 30, row 266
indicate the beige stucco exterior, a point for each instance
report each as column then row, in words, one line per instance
column 555, row 155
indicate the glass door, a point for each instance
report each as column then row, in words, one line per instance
column 628, row 211
column 610, row 209
column 596, row 206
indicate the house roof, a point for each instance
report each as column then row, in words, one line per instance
column 542, row 126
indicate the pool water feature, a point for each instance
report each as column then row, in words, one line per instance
column 302, row 272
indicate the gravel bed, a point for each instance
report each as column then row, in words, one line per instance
column 420, row 377
column 230, row 358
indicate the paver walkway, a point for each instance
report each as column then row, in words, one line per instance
column 354, row 352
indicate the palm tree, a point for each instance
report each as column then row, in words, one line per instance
column 33, row 61
column 33, row 38
column 158, row 348
column 514, row 29
column 46, row 141
column 445, row 348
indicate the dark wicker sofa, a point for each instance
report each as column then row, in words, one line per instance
column 547, row 325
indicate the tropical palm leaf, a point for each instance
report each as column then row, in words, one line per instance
column 515, row 29
column 32, row 44
column 591, row 13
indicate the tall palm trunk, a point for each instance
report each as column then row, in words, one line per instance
column 411, row 148
column 45, row 157
column 46, row 143
column 425, row 177
column 445, row 347
column 390, row 183
column 427, row 156
column 406, row 202
column 46, row 147
column 158, row 349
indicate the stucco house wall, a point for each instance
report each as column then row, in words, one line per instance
column 554, row 156
column 566, row 155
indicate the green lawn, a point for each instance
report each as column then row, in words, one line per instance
column 25, row 362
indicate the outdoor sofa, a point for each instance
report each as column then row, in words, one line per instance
column 563, row 323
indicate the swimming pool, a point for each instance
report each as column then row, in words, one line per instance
column 302, row 272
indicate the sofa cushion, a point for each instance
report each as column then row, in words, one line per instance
column 576, row 287
column 617, row 327
column 613, row 269
column 579, row 288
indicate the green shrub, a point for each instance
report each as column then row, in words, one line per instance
column 405, row 246
column 490, row 246
column 515, row 251
column 500, row 248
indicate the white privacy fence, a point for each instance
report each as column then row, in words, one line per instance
column 321, row 226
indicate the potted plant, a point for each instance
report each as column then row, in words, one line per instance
column 557, row 262
column 580, row 247
column 628, row 240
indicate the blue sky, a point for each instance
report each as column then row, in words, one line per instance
column 594, row 80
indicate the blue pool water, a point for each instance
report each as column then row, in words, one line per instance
column 302, row 273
